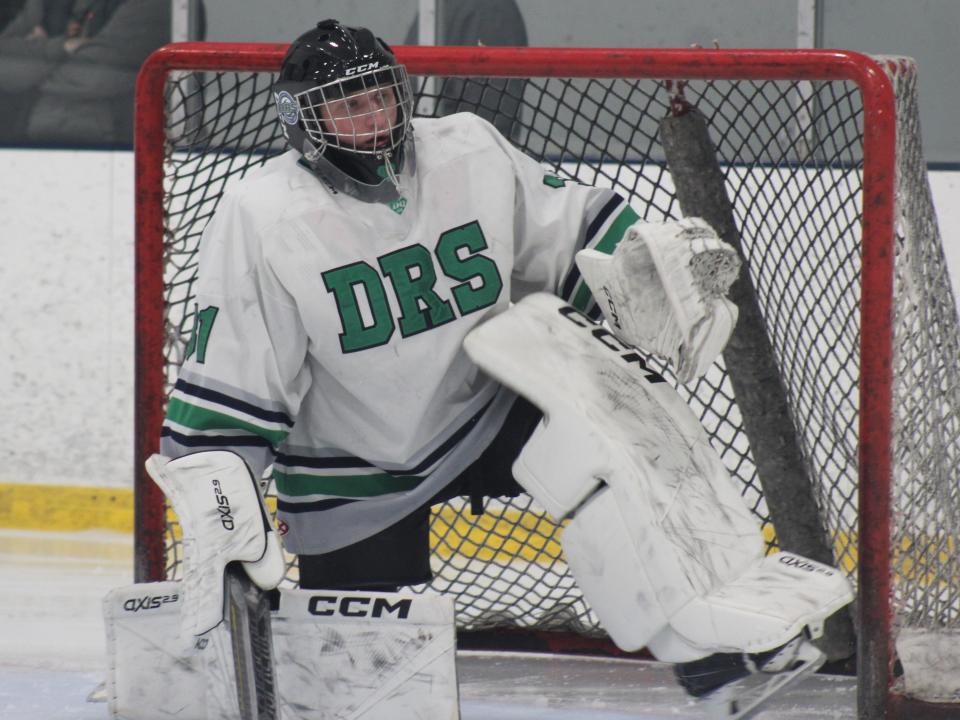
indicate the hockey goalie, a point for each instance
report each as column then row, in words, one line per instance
column 658, row 539
column 399, row 311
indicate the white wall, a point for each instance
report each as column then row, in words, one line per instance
column 66, row 276
column 66, row 318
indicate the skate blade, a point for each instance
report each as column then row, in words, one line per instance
column 98, row 694
column 744, row 698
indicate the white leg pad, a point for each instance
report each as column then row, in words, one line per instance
column 365, row 655
column 357, row 655
column 635, row 573
column 150, row 676
column 659, row 540
column 765, row 607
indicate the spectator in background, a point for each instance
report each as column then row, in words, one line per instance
column 88, row 99
column 45, row 19
column 31, row 46
column 8, row 11
column 84, row 95
column 480, row 22
column 40, row 19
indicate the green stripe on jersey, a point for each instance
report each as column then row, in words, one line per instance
column 356, row 486
column 198, row 418
column 607, row 244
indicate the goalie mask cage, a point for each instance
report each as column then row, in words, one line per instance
column 826, row 194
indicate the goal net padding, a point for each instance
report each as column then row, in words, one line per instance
column 836, row 407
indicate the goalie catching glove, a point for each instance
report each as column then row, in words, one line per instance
column 664, row 290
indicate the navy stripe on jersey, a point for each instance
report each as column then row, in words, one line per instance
column 326, row 463
column 355, row 462
column 315, row 506
column 190, row 389
column 215, row 440
column 566, row 292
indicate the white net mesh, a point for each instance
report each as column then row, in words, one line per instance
column 926, row 502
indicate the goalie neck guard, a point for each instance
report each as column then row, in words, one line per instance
column 345, row 104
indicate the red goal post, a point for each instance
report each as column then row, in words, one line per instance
column 876, row 112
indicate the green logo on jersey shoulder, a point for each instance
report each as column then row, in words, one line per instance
column 556, row 182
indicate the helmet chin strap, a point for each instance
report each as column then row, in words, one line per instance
column 388, row 168
column 315, row 160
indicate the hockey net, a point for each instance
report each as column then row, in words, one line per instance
column 820, row 167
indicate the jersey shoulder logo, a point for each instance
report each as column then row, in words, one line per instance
column 555, row 181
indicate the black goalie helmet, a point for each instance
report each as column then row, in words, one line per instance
column 343, row 99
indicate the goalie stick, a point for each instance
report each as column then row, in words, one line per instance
column 234, row 557
column 248, row 616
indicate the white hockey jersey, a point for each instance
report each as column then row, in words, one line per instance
column 328, row 330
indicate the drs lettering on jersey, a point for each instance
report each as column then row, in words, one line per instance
column 361, row 293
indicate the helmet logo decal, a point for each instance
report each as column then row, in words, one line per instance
column 287, row 108
column 361, row 68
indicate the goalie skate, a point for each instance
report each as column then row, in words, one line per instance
column 738, row 686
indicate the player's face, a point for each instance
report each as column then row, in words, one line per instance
column 363, row 120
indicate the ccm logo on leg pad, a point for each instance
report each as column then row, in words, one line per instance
column 358, row 606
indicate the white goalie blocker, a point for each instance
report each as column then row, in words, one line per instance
column 363, row 655
column 223, row 519
column 659, row 540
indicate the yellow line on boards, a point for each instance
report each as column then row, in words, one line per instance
column 65, row 508
column 499, row 535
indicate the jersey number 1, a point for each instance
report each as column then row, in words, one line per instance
column 202, row 325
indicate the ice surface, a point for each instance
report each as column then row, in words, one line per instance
column 52, row 652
